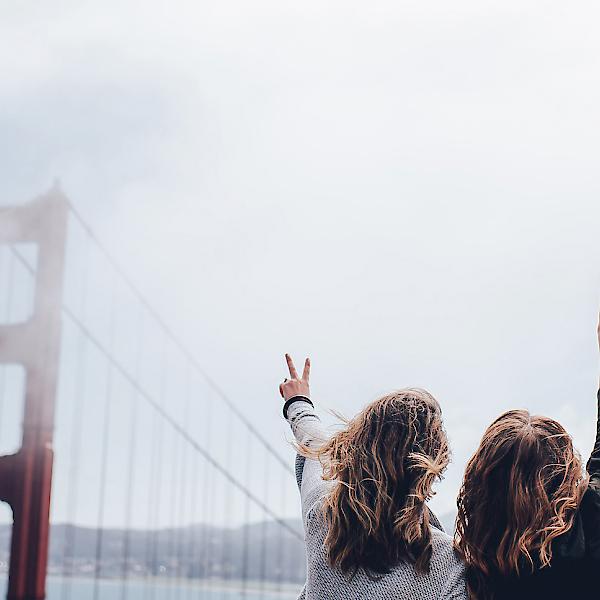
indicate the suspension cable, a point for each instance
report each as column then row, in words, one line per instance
column 175, row 339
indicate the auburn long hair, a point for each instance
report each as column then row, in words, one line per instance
column 384, row 464
column 520, row 492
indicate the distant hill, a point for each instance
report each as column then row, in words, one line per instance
column 197, row 551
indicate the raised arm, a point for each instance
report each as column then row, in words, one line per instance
column 593, row 466
column 308, row 431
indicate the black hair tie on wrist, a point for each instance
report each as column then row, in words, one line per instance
column 293, row 399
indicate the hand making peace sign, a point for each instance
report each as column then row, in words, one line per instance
column 295, row 386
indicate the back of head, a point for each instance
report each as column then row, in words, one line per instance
column 520, row 491
column 385, row 463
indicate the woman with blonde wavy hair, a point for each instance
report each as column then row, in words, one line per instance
column 528, row 521
column 368, row 531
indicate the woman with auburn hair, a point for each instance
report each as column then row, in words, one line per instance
column 528, row 522
column 368, row 531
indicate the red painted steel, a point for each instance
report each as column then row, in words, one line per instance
column 26, row 477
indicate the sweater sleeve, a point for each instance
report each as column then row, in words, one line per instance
column 593, row 465
column 308, row 431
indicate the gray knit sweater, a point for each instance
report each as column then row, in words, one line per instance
column 445, row 579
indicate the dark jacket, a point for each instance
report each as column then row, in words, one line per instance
column 575, row 568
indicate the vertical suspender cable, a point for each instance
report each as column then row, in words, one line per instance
column 159, row 469
column 133, row 433
column 151, row 502
column 281, row 546
column 264, row 530
column 190, row 543
column 246, row 531
column 105, row 438
column 225, row 531
column 156, row 492
column 194, row 557
column 210, row 485
column 191, row 546
column 171, row 551
column 79, row 403
column 183, row 527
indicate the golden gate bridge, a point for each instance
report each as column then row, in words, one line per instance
column 148, row 474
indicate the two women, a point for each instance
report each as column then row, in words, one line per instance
column 529, row 517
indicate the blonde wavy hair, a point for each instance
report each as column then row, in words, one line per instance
column 384, row 464
column 521, row 491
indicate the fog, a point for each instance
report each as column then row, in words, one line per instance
column 406, row 192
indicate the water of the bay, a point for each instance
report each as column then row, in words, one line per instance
column 84, row 589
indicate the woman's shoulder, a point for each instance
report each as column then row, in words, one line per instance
column 589, row 513
column 593, row 489
column 443, row 549
column 582, row 541
column 447, row 564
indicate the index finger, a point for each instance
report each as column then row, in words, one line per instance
column 291, row 367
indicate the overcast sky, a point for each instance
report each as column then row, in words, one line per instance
column 406, row 191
